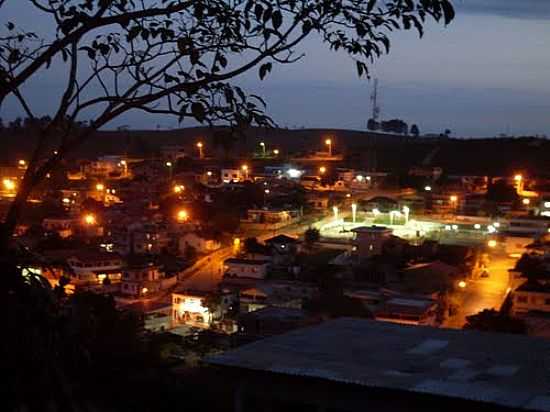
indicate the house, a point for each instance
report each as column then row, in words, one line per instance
column 232, row 175
column 530, row 296
column 201, row 242
column 63, row 226
column 148, row 238
column 346, row 364
column 369, row 241
column 188, row 309
column 91, row 267
column 143, row 277
column 283, row 249
column 428, row 279
column 276, row 293
column 270, row 321
column 156, row 314
column 246, row 268
column 408, row 310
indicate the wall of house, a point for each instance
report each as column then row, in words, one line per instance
column 530, row 301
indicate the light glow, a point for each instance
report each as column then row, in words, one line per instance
column 8, row 184
column 182, row 215
column 100, row 187
column 90, row 219
column 492, row 243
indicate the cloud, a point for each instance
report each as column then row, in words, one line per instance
column 520, row 9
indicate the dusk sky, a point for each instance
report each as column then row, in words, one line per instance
column 485, row 74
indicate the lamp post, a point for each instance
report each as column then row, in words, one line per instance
column 245, row 170
column 353, row 212
column 276, row 152
column 201, row 153
column 169, row 166
column 328, row 142
column 262, row 144
column 406, row 211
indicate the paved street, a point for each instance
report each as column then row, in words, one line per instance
column 484, row 293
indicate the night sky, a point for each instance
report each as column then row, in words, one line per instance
column 487, row 73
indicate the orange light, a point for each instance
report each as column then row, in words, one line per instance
column 492, row 243
column 182, row 216
column 144, row 291
column 328, row 142
column 90, row 219
column 199, row 145
column 22, row 163
column 99, row 187
column 322, row 169
column 526, row 201
column 454, row 198
column 462, row 284
column 244, row 167
column 179, row 188
column 276, row 152
column 8, row 184
column 518, row 177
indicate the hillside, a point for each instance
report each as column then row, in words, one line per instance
column 364, row 149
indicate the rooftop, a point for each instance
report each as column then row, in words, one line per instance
column 246, row 261
column 500, row 369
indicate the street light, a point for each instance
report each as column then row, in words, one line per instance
column 209, row 173
column 8, row 184
column 100, row 187
column 22, row 163
column 179, row 188
column 169, row 166
column 276, row 152
column 526, row 201
column 322, row 170
column 199, row 146
column 353, row 212
column 328, row 142
column 428, row 188
column 407, row 211
column 182, row 216
column 462, row 284
column 453, row 198
column 245, row 170
column 263, row 148
column 492, row 243
column 90, row 219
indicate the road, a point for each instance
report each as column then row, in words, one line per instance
column 207, row 272
column 484, row 293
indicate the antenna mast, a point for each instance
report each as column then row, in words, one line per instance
column 374, row 99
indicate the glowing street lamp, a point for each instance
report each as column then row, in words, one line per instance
column 244, row 168
column 201, row 153
column 406, row 211
column 262, row 144
column 328, row 142
column 22, row 163
column 8, row 184
column 182, row 216
column 209, row 173
column 100, row 187
column 169, row 166
column 322, row 170
column 526, row 201
column 428, row 188
column 90, row 219
column 353, row 212
column 276, row 152
column 453, row 198
column 492, row 243
column 179, row 189
column 462, row 284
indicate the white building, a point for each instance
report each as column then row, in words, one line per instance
column 201, row 243
column 531, row 296
column 246, row 268
column 92, row 268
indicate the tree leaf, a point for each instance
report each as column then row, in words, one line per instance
column 198, row 111
column 264, row 69
column 276, row 19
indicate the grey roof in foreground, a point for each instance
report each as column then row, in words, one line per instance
column 507, row 370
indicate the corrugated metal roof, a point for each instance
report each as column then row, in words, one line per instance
column 507, row 370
